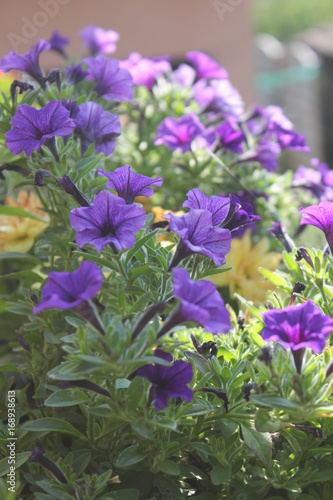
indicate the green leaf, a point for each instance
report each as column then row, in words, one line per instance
column 23, row 275
column 200, row 362
column 275, row 278
column 67, row 397
column 17, row 255
column 79, row 459
column 19, row 212
column 259, row 443
column 275, row 402
column 264, row 422
column 127, row 494
column 220, row 475
column 130, row 456
column 56, row 490
column 20, row 459
column 256, row 313
column 52, row 425
column 169, row 467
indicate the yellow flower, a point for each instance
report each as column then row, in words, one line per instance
column 17, row 234
column 245, row 258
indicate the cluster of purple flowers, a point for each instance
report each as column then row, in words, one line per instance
column 31, row 128
column 113, row 220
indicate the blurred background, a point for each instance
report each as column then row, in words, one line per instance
column 276, row 51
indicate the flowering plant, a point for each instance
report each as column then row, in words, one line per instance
column 137, row 370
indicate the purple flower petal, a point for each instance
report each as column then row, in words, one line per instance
column 145, row 71
column 108, row 220
column 66, row 290
column 96, row 126
column 205, row 66
column 198, row 235
column 298, row 327
column 28, row 63
column 99, row 41
column 110, row 81
column 200, row 302
column 32, row 127
column 218, row 206
column 179, row 133
column 129, row 184
column 320, row 216
column 168, row 381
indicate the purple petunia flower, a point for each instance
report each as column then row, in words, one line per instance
column 108, row 220
column 168, row 381
column 198, row 235
column 205, row 66
column 320, row 216
column 230, row 137
column 266, row 153
column 96, row 126
column 199, row 301
column 289, row 139
column 179, row 133
column 58, row 42
column 34, row 127
column 319, row 182
column 184, row 75
column 75, row 73
column 129, row 184
column 242, row 217
column 218, row 206
column 145, row 71
column 28, row 63
column 219, row 96
column 298, row 327
column 110, row 81
column 99, row 41
column 67, row 290
column 227, row 212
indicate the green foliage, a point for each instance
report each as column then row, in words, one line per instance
column 284, row 19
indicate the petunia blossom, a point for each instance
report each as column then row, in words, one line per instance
column 318, row 180
column 219, row 96
column 168, row 381
column 228, row 212
column 75, row 73
column 320, row 216
column 266, row 153
column 28, row 63
column 198, row 235
column 242, row 217
column 58, row 42
column 205, row 66
column 179, row 133
column 99, row 41
column 107, row 221
column 230, row 137
column 218, row 206
column 128, row 184
column 199, row 301
column 184, row 75
column 144, row 70
column 96, row 126
column 298, row 327
column 67, row 290
column 110, row 81
column 31, row 127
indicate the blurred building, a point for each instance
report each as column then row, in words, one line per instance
column 222, row 28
